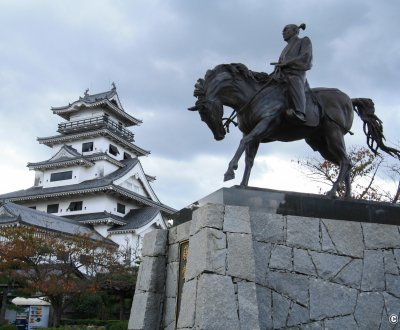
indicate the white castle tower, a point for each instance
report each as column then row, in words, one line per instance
column 95, row 176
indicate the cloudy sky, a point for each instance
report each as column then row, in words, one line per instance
column 51, row 51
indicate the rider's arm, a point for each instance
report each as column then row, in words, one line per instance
column 303, row 61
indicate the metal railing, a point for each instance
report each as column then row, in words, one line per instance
column 94, row 123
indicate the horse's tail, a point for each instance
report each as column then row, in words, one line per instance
column 372, row 127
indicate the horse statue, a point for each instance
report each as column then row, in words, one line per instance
column 259, row 103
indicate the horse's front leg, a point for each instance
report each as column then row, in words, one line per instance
column 251, row 152
column 254, row 136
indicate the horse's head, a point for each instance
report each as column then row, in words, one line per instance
column 210, row 109
column 227, row 84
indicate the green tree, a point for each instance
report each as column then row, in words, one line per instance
column 58, row 267
column 120, row 282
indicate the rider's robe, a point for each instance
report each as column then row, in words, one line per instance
column 297, row 59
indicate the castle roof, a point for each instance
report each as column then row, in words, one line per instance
column 109, row 100
column 84, row 160
column 137, row 218
column 134, row 219
column 13, row 214
column 63, row 138
column 104, row 184
column 98, row 217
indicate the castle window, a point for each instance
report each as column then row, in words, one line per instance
column 127, row 156
column 52, row 208
column 32, row 207
column 61, row 176
column 75, row 206
column 87, row 146
column 113, row 150
column 120, row 208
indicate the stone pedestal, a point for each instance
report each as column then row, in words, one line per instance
column 262, row 266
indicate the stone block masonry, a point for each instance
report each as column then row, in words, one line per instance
column 250, row 269
column 149, row 298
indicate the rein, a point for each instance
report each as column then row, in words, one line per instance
column 231, row 118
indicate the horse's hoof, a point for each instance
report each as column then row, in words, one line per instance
column 229, row 176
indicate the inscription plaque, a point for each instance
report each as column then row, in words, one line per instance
column 183, row 255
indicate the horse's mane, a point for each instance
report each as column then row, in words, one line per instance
column 236, row 70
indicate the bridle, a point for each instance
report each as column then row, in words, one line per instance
column 230, row 120
column 234, row 113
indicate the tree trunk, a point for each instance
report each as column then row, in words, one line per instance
column 121, row 305
column 4, row 303
column 397, row 195
column 57, row 312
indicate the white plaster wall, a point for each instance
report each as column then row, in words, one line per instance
column 86, row 113
column 134, row 185
column 91, row 204
column 38, row 182
column 125, row 240
column 136, row 181
column 79, row 173
column 100, row 144
column 102, row 229
column 76, row 170
column 92, row 112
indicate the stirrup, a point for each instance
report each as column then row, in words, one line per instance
column 295, row 116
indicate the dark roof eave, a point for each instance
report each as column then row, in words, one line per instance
column 51, row 140
column 20, row 222
column 65, row 111
column 94, row 236
column 83, row 162
column 121, row 191
column 87, row 159
column 102, row 221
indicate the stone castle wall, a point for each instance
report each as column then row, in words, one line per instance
column 248, row 269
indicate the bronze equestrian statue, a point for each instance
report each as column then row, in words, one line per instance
column 260, row 103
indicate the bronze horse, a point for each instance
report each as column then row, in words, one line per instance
column 259, row 103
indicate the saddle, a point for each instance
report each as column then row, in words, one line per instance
column 313, row 109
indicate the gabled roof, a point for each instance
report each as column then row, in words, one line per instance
column 104, row 184
column 85, row 160
column 62, row 138
column 98, row 217
column 109, row 100
column 12, row 214
column 66, row 155
column 137, row 218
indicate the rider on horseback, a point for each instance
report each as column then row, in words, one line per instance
column 295, row 60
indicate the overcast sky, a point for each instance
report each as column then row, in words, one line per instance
column 51, row 51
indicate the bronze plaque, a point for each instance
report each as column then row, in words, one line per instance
column 183, row 255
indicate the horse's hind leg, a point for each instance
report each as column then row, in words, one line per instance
column 332, row 148
column 347, row 182
column 251, row 151
column 344, row 175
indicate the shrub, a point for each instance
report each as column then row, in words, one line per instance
column 69, row 322
column 117, row 325
column 8, row 327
